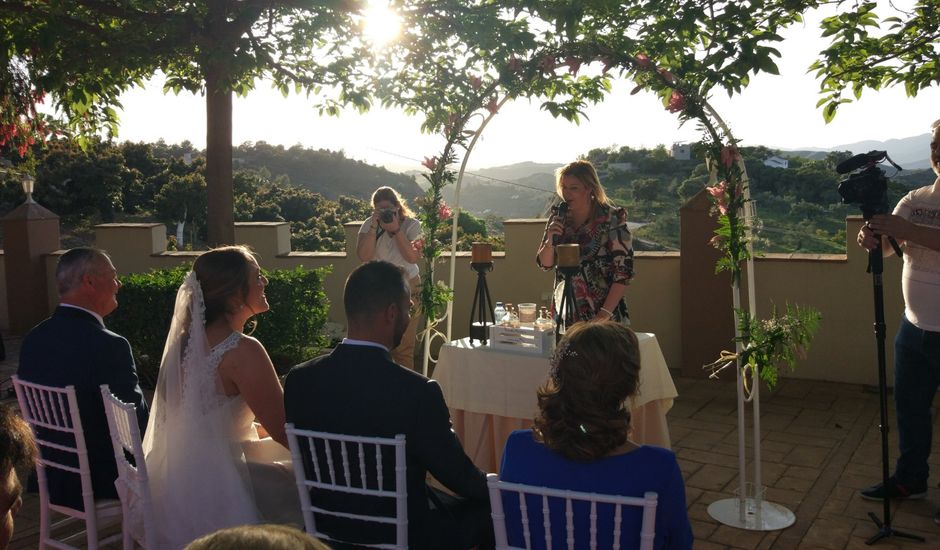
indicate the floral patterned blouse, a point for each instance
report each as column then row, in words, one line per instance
column 606, row 258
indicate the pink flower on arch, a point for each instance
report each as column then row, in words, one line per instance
column 418, row 244
column 719, row 193
column 643, row 61
column 667, row 75
column 430, row 163
column 574, row 64
column 476, row 82
column 444, row 212
column 676, row 102
column 492, row 105
column 547, row 63
column 729, row 155
column 514, row 64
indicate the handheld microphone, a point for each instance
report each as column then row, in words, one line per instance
column 561, row 211
column 856, row 162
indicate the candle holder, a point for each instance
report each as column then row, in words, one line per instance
column 482, row 305
column 567, row 310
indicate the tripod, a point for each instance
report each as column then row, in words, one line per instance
column 876, row 267
column 567, row 311
column 482, row 305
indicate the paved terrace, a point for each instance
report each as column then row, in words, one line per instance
column 820, row 446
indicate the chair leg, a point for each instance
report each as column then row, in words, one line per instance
column 128, row 540
column 44, row 524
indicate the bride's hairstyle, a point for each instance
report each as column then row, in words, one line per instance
column 223, row 274
column 582, row 410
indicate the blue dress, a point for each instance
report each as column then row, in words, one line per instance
column 631, row 474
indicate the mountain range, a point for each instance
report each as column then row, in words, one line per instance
column 911, row 153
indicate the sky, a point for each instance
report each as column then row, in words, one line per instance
column 775, row 111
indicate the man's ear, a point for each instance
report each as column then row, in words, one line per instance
column 391, row 312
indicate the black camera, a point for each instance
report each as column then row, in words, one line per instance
column 867, row 185
column 387, row 215
column 868, row 189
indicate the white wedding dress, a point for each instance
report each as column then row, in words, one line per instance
column 208, row 469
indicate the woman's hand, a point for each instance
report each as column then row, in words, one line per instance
column 557, row 227
column 866, row 238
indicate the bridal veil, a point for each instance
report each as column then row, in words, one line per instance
column 198, row 476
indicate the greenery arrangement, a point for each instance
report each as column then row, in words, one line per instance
column 775, row 341
column 291, row 331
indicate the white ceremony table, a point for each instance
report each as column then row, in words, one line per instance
column 491, row 392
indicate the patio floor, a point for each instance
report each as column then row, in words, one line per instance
column 820, row 445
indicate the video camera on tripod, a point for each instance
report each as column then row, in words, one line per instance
column 867, row 185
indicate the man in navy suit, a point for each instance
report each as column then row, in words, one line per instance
column 73, row 348
column 358, row 390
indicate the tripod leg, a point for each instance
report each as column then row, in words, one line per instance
column 876, row 267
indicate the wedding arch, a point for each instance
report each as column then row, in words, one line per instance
column 453, row 80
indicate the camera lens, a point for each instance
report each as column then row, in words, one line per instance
column 386, row 216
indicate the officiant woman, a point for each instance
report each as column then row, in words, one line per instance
column 606, row 246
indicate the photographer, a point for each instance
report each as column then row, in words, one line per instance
column 389, row 235
column 915, row 224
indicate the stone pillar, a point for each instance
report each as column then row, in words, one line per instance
column 267, row 239
column 706, row 306
column 30, row 232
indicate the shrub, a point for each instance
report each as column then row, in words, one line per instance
column 291, row 331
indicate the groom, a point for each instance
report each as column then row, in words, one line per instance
column 73, row 348
column 359, row 390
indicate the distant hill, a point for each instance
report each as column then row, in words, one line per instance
column 912, row 153
column 517, row 171
column 329, row 173
column 524, row 197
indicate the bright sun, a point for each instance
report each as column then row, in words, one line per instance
column 381, row 24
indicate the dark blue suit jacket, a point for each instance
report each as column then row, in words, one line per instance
column 71, row 348
column 359, row 390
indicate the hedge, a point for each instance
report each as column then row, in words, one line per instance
column 292, row 331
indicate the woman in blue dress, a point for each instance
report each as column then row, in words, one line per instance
column 580, row 442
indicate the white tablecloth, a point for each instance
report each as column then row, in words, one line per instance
column 492, row 392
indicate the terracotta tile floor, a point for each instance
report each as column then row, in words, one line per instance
column 820, row 445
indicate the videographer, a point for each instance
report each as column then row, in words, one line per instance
column 389, row 235
column 915, row 224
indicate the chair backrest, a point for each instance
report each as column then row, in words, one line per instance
column 55, row 410
column 568, row 510
column 352, row 465
column 132, row 483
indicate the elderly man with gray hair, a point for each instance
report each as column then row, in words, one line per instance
column 73, row 348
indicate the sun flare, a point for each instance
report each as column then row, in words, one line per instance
column 381, row 25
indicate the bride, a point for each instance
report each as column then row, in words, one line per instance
column 208, row 466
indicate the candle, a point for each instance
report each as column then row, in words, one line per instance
column 569, row 255
column 481, row 253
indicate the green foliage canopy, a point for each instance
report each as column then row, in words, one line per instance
column 872, row 51
column 86, row 53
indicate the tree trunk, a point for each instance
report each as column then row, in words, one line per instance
column 221, row 211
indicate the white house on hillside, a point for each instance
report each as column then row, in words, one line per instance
column 681, row 151
column 777, row 162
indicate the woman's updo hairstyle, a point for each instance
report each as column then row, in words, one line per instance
column 582, row 410
column 223, row 275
